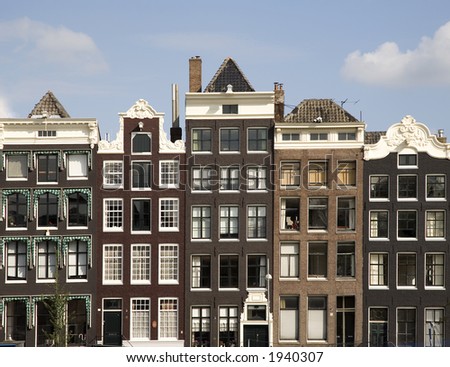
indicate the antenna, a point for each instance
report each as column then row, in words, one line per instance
column 347, row 101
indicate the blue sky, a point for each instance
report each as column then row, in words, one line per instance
column 386, row 58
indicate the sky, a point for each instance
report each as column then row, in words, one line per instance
column 380, row 59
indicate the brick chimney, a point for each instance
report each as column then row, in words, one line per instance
column 279, row 102
column 195, row 74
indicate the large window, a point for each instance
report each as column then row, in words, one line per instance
column 436, row 187
column 47, row 168
column 229, row 140
column 112, row 174
column 317, row 260
column 168, row 318
column 256, row 271
column 77, row 166
column 17, row 211
column 317, row 318
column 200, row 326
column 290, row 214
column 78, row 210
column 229, row 178
column 201, row 222
column 16, row 167
column 229, row 222
column 141, row 175
column 112, row 264
column 317, row 174
column 168, row 264
column 406, row 224
column 141, row 143
column 16, row 260
column 345, row 266
column 256, row 178
column 113, row 215
column 48, row 210
column 379, row 224
column 16, row 319
column 201, row 271
column 346, row 173
column 256, row 221
column 141, row 215
column 229, row 271
column 257, row 140
column 407, row 187
column 318, row 214
column 346, row 214
column 228, row 326
column 289, row 260
column 406, row 270
column 379, row 187
column 378, row 327
column 46, row 260
column 345, row 325
column 406, row 327
column 140, row 264
column 435, row 270
column 290, row 174
column 201, row 140
column 169, row 174
column 378, row 269
column 289, row 311
column 201, row 178
column 140, row 319
column 77, row 260
column 435, row 224
column 168, row 215
column 434, row 327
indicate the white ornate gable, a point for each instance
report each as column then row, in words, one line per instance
column 141, row 110
column 407, row 134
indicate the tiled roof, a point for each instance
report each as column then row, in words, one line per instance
column 229, row 73
column 50, row 106
column 372, row 137
column 319, row 110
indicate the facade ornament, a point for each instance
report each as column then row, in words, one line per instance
column 140, row 110
column 407, row 131
column 115, row 146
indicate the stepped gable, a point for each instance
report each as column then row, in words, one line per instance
column 50, row 106
column 372, row 137
column 319, row 110
column 229, row 73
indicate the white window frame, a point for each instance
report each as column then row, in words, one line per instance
column 417, row 219
column 7, row 158
column 173, row 313
column 192, row 141
column 75, row 255
column 203, row 223
column 221, row 150
column 147, row 167
column 388, row 188
column 413, row 286
column 260, row 213
column 258, row 172
column 289, row 260
column 321, row 313
column 117, row 257
column 444, row 198
column 83, row 163
column 107, row 174
column 146, row 302
column 169, row 174
column 433, row 286
column 173, row 256
column 377, row 264
column 140, row 263
column 371, row 238
column 267, row 139
column 444, row 223
column 175, row 216
column 428, row 324
column 132, row 214
column 106, row 215
column 398, row 188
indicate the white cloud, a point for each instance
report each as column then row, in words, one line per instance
column 427, row 65
column 38, row 43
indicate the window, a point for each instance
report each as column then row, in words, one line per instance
column 407, row 160
column 201, row 140
column 140, row 264
column 46, row 260
column 141, row 175
column 407, row 224
column 169, row 174
column 140, row 319
column 379, row 227
column 290, row 214
column 289, row 260
column 46, row 133
column 229, row 178
column 48, row 210
column 113, row 215
column 16, row 319
column 16, row 260
column 169, row 215
column 141, row 143
column 229, row 222
column 229, row 271
column 77, row 166
column 256, row 221
column 317, row 318
column 141, row 215
column 16, row 166
column 345, row 260
column 318, row 214
column 78, row 210
column 407, row 187
column 290, row 174
column 290, row 137
column 435, row 224
column 346, row 214
column 168, row 318
column 17, row 211
column 256, row 271
column 346, row 173
column 256, row 312
column 230, row 109
column 406, row 270
column 47, row 167
column 229, row 140
column 201, row 178
column 201, row 271
column 378, row 269
column 201, row 222
column 257, row 139
column 406, row 327
column 317, row 174
column 317, row 260
column 228, row 326
column 345, row 326
column 318, row 136
column 168, row 264
column 435, row 270
column 112, row 174
column 378, row 327
column 200, row 326
column 77, row 260
column 289, row 310
column 436, row 187
column 112, row 264
column 434, row 327
column 256, row 178
column 346, row 136
column 379, row 187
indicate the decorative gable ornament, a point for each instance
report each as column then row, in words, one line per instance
column 140, row 110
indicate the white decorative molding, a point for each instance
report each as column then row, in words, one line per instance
column 140, row 110
column 408, row 134
column 115, row 146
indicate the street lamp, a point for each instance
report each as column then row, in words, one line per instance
column 269, row 329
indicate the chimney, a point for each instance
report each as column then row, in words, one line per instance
column 175, row 130
column 279, row 102
column 195, row 74
column 441, row 137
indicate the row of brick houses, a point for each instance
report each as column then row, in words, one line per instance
column 261, row 229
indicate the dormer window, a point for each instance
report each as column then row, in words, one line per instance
column 230, row 109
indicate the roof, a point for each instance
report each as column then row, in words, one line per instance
column 372, row 137
column 49, row 106
column 229, row 73
column 319, row 110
